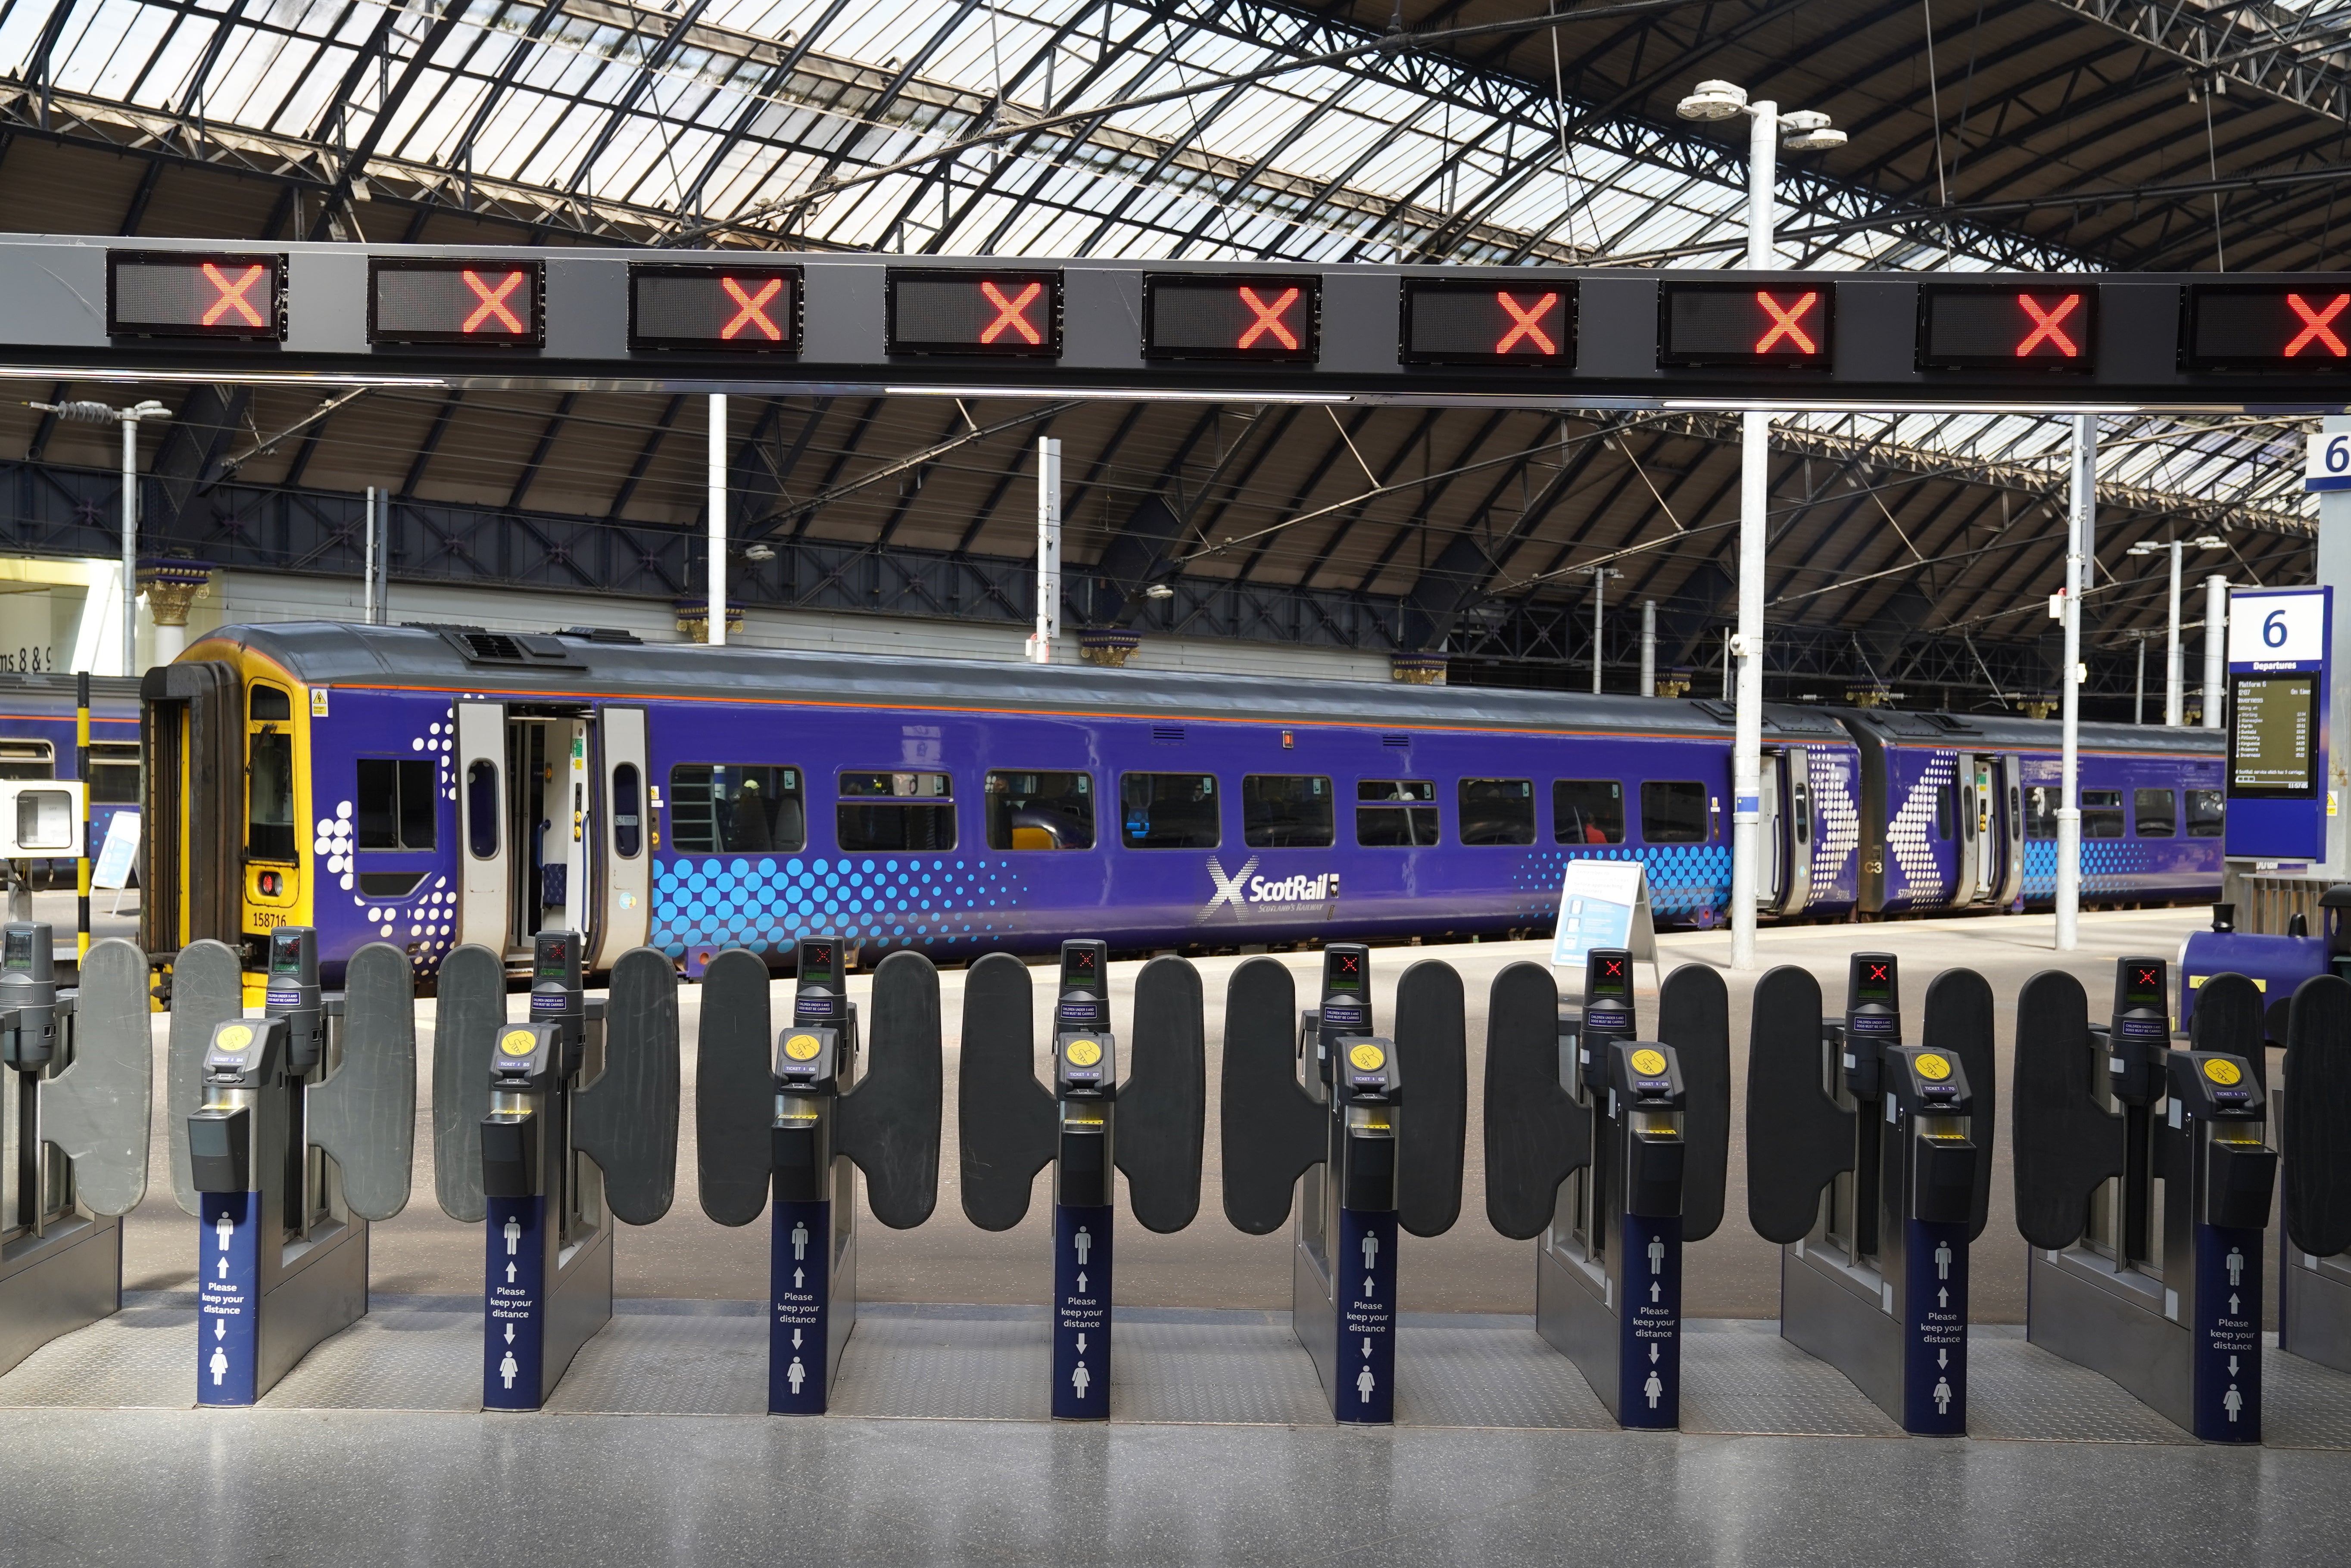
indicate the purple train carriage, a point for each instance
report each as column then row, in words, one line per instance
column 37, row 742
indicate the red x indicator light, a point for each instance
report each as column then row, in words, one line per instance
column 160, row 293
column 754, row 314
column 2265, row 327
column 2048, row 334
column 1265, row 318
column 2000, row 326
column 1738, row 324
column 1448, row 323
column 2318, row 331
column 1200, row 315
column 473, row 304
column 493, row 311
column 976, row 312
column 754, row 311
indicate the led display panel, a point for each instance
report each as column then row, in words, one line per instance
column 182, row 294
column 2265, row 327
column 1473, row 324
column 2006, row 328
column 753, row 310
column 1737, row 324
column 1017, row 313
column 500, row 304
column 2272, row 739
column 1194, row 317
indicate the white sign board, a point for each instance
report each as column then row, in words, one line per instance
column 116, row 858
column 40, row 819
column 1604, row 904
column 2278, row 626
column 2326, row 462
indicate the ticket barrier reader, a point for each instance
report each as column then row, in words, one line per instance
column 1363, row 1132
column 548, row 1129
column 292, row 1131
column 1087, row 1126
column 2143, row 1182
column 74, row 1102
column 788, row 1114
column 1611, row 1146
column 2315, row 1267
column 1876, row 1191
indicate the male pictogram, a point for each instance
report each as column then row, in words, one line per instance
column 494, row 302
column 1268, row 318
column 2046, row 324
column 754, row 313
column 1526, row 324
column 2317, row 328
column 1011, row 315
column 232, row 296
column 1786, row 322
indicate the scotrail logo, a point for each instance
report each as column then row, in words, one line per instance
column 1243, row 889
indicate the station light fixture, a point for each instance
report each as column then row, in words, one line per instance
column 1801, row 131
column 1713, row 101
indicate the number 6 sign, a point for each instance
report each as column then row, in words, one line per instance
column 2277, row 626
column 2326, row 462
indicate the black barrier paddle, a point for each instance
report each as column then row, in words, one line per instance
column 2318, row 1116
column 365, row 1115
column 1694, row 1018
column 2228, row 1019
column 95, row 1108
column 735, row 1088
column 1536, row 1134
column 626, row 1121
column 1163, row 1107
column 1273, row 1128
column 207, row 991
column 1006, row 1118
column 2064, row 1142
column 889, row 1124
column 1432, row 1048
column 1959, row 1022
column 470, row 1003
column 1798, row 1138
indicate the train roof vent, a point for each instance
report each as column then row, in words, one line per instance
column 1721, row 712
column 1395, row 740
column 607, row 634
column 1952, row 723
column 1169, row 735
column 509, row 647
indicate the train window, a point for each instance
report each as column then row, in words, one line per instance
column 2154, row 815
column 1396, row 814
column 736, row 808
column 1168, row 811
column 1497, row 811
column 2041, row 812
column 1040, row 811
column 482, row 809
column 1946, row 811
column 1287, row 811
column 267, row 703
column 1588, row 811
column 2205, row 813
column 396, row 800
column 2102, row 814
column 628, row 811
column 114, row 773
column 26, row 760
column 269, row 778
column 1673, row 811
column 894, row 812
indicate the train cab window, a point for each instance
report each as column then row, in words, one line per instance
column 28, row 760
column 1287, row 811
column 113, row 772
column 2041, row 811
column 396, row 800
column 2102, row 814
column 737, row 808
column 1674, row 812
column 895, row 812
column 269, row 775
column 2206, row 813
column 1588, row 811
column 1168, row 811
column 1396, row 814
column 2153, row 814
column 1947, row 812
column 1497, row 811
column 1040, row 811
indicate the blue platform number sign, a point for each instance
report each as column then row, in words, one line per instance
column 2326, row 462
column 2278, row 781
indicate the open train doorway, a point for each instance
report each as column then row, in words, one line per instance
column 524, row 805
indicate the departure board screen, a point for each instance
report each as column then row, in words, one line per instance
column 2005, row 327
column 1733, row 324
column 187, row 295
column 1473, row 324
column 1191, row 317
column 976, row 312
column 2265, row 327
column 494, row 304
column 747, row 310
column 2274, row 720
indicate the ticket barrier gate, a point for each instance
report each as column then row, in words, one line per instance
column 1874, row 1191
column 1611, row 1146
column 2171, row 1311
column 549, row 1128
column 1364, row 1132
column 2315, row 1267
column 789, row 1113
column 290, row 1133
column 1087, row 1126
column 74, row 1103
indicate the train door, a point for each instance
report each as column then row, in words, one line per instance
column 485, row 893
column 624, row 844
column 1786, row 830
column 2007, row 816
column 1967, row 888
column 1772, row 877
column 548, row 822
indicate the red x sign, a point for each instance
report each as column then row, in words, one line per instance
column 1268, row 318
column 754, row 313
column 2316, row 328
column 1785, row 323
column 1527, row 324
column 494, row 303
column 2147, row 977
column 233, row 295
column 2045, row 327
column 1876, row 971
column 1011, row 315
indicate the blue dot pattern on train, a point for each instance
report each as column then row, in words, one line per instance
column 888, row 901
column 2106, row 863
column 1686, row 881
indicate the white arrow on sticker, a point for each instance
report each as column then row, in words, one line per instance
column 795, row 1339
column 509, row 1334
column 220, row 1331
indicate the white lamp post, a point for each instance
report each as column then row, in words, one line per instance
column 93, row 413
